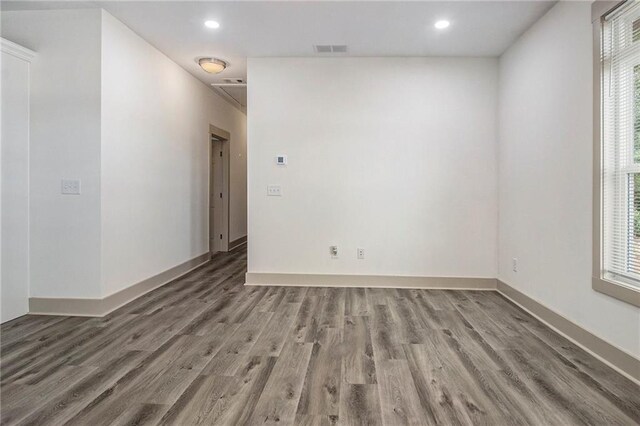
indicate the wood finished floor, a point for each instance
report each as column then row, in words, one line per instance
column 207, row 350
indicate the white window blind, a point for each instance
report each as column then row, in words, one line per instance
column 621, row 144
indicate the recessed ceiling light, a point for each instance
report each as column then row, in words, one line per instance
column 211, row 24
column 441, row 25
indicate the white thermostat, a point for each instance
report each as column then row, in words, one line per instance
column 281, row 160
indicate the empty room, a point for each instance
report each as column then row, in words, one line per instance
column 320, row 212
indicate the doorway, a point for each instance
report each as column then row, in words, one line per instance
column 218, row 190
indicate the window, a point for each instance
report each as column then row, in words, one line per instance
column 620, row 146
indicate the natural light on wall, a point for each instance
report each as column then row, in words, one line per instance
column 621, row 145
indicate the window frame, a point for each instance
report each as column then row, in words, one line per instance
column 614, row 288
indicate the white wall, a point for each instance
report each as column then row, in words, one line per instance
column 155, row 160
column 394, row 155
column 14, row 287
column 65, row 143
column 545, row 174
column 111, row 110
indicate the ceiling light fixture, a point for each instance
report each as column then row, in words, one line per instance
column 212, row 65
column 441, row 25
column 211, row 24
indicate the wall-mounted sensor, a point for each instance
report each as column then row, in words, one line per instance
column 281, row 160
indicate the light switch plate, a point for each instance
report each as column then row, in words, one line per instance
column 70, row 186
column 274, row 190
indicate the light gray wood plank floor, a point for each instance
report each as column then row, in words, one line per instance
column 206, row 350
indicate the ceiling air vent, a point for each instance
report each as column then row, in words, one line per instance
column 234, row 80
column 322, row 48
column 330, row 48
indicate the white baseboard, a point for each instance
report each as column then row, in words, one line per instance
column 237, row 242
column 384, row 281
column 618, row 359
column 100, row 307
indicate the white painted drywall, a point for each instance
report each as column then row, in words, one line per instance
column 65, row 143
column 14, row 285
column 545, row 174
column 394, row 155
column 155, row 160
column 111, row 110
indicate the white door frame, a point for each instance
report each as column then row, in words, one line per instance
column 219, row 166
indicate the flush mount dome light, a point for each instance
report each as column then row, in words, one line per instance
column 441, row 25
column 211, row 24
column 212, row 65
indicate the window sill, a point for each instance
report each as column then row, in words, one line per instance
column 617, row 290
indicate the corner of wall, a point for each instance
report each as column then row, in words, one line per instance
column 103, row 16
column 545, row 170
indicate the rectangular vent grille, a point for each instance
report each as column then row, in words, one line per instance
column 234, row 80
column 330, row 48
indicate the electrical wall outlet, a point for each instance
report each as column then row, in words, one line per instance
column 333, row 251
column 70, row 187
column 514, row 264
column 360, row 253
column 274, row 190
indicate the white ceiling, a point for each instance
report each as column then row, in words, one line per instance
column 291, row 28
